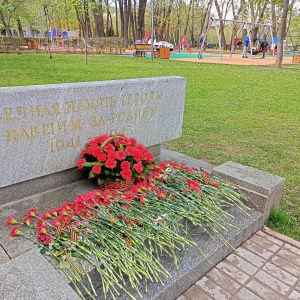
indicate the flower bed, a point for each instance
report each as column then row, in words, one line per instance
column 106, row 230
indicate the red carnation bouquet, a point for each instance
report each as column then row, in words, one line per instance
column 115, row 157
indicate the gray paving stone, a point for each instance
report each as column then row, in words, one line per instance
column 292, row 248
column 212, row 289
column 257, row 249
column 294, row 295
column 263, row 291
column 245, row 294
column 232, row 271
column 286, row 265
column 196, row 293
column 272, row 282
column 280, row 274
column 225, row 281
column 250, row 257
column 270, row 238
column 242, row 264
column 290, row 256
column 264, row 243
column 3, row 256
column 182, row 297
column 31, row 277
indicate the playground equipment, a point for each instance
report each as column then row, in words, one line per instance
column 183, row 43
column 245, row 25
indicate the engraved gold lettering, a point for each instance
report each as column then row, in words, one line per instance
column 34, row 131
column 22, row 112
column 90, row 104
column 56, row 108
column 80, row 106
column 24, row 134
column 70, row 106
column 160, row 95
column 35, row 110
column 46, row 111
column 11, row 135
column 114, row 116
column 141, row 98
column 48, row 129
column 8, row 114
column 137, row 114
column 99, row 102
column 97, row 121
column 61, row 145
column 75, row 125
column 110, row 101
column 62, row 126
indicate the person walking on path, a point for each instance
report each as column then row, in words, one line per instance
column 264, row 46
column 246, row 44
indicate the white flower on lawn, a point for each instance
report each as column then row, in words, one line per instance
column 159, row 219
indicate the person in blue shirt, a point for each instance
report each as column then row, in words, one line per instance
column 246, row 44
column 201, row 41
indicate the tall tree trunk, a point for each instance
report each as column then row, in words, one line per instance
column 20, row 29
column 188, row 17
column 140, row 26
column 66, row 15
column 165, row 21
column 121, row 9
column 132, row 23
column 87, row 20
column 125, row 10
column 80, row 19
column 206, row 18
column 282, row 34
column 257, row 17
column 117, row 23
column 47, row 19
column 98, row 18
column 107, row 21
column 223, row 39
column 273, row 14
column 8, row 31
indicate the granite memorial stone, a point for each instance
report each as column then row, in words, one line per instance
column 43, row 128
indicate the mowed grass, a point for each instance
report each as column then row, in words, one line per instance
column 247, row 114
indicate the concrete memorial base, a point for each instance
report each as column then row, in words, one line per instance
column 264, row 189
column 23, row 266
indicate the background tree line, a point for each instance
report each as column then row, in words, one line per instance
column 130, row 19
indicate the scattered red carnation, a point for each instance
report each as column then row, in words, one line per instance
column 15, row 231
column 12, row 220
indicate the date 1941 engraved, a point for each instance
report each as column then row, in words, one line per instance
column 61, row 145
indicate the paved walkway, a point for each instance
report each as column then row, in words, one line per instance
column 265, row 267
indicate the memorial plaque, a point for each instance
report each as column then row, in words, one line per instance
column 43, row 128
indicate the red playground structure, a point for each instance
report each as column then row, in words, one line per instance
column 184, row 43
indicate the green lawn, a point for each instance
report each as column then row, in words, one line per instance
column 247, row 114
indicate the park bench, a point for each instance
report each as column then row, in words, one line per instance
column 141, row 48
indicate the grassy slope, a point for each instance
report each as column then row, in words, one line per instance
column 247, row 114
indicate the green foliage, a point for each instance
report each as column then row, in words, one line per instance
column 283, row 221
column 247, row 114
